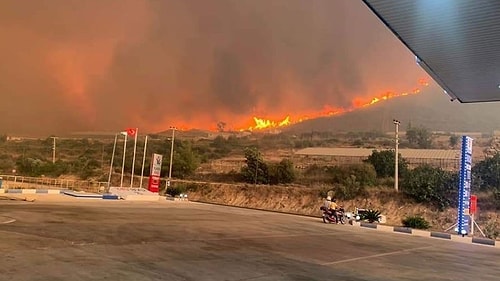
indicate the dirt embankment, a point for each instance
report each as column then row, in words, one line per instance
column 307, row 200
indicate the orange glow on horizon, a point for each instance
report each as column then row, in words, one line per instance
column 277, row 120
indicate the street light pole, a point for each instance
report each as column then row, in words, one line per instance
column 54, row 150
column 396, row 166
column 171, row 158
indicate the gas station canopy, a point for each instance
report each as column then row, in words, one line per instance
column 456, row 41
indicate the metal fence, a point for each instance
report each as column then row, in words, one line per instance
column 21, row 182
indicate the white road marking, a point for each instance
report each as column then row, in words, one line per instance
column 377, row 255
column 8, row 221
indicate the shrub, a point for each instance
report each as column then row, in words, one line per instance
column 432, row 186
column 282, row 172
column 315, row 174
column 361, row 174
column 184, row 187
column 496, row 195
column 384, row 162
column 492, row 230
column 175, row 190
column 486, row 173
column 417, row 222
column 371, row 216
column 350, row 189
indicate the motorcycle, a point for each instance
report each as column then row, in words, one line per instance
column 333, row 216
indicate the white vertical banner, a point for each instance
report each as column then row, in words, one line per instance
column 156, row 164
column 154, row 175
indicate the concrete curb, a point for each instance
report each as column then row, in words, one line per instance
column 32, row 191
column 431, row 234
column 58, row 191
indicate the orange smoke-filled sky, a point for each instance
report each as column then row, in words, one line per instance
column 94, row 65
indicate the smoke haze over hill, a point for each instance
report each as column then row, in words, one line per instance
column 431, row 109
column 71, row 65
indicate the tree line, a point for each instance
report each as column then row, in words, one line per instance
column 89, row 159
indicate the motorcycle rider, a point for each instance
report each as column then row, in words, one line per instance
column 327, row 202
column 341, row 214
column 333, row 209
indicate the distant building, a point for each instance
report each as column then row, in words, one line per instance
column 445, row 159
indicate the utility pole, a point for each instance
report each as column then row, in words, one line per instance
column 171, row 158
column 53, row 150
column 396, row 166
column 256, row 171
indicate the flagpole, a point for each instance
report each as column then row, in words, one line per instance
column 143, row 159
column 112, row 159
column 123, row 162
column 133, row 161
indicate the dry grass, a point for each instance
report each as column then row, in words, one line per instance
column 307, row 200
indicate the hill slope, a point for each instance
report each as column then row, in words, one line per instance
column 431, row 109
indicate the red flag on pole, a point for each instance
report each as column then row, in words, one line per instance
column 131, row 132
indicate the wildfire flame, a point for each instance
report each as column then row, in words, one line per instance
column 262, row 123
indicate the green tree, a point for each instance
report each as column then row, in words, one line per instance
column 7, row 163
column 86, row 167
column 454, row 140
column 282, row 172
column 350, row 181
column 363, row 174
column 256, row 170
column 419, row 137
column 486, row 173
column 185, row 161
column 221, row 145
column 431, row 185
column 384, row 163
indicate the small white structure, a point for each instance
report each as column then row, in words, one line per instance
column 134, row 194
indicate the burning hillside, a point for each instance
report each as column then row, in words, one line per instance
column 357, row 103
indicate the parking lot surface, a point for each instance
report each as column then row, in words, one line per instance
column 118, row 240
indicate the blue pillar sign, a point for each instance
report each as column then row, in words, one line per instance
column 464, row 185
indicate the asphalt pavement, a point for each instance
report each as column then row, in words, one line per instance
column 117, row 240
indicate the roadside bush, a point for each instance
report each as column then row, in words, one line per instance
column 496, row 195
column 486, row 173
column 325, row 191
column 314, row 174
column 432, row 186
column 371, row 216
column 416, row 222
column 177, row 188
column 384, row 162
column 351, row 181
column 355, row 174
column 282, row 172
column 492, row 230
column 350, row 189
column 231, row 176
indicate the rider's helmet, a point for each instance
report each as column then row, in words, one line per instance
column 328, row 198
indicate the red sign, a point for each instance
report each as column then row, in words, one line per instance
column 154, row 183
column 473, row 204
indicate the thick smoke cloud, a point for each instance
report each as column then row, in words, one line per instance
column 71, row 65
